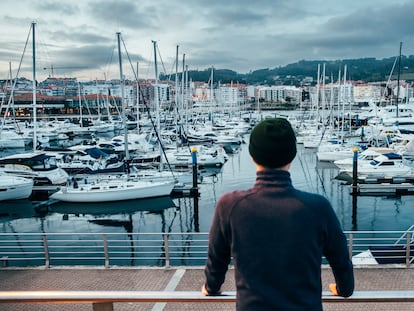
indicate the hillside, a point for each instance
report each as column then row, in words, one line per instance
column 365, row 69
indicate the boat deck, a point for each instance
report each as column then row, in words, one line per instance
column 180, row 279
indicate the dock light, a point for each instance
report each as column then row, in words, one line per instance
column 355, row 172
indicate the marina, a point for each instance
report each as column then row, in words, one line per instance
column 188, row 215
column 109, row 178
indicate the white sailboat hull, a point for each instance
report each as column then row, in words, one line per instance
column 113, row 190
column 15, row 188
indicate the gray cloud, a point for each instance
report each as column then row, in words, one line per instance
column 240, row 35
column 128, row 14
column 59, row 8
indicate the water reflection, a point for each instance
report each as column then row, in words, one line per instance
column 180, row 215
column 125, row 207
column 16, row 210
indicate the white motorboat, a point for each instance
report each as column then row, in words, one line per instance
column 14, row 187
column 10, row 139
column 109, row 190
column 214, row 156
column 86, row 161
column 384, row 165
column 38, row 166
column 333, row 150
column 366, row 156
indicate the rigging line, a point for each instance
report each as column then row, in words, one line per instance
column 42, row 46
column 106, row 74
column 147, row 108
column 305, row 173
column 171, row 74
column 10, row 78
column 148, row 111
column 318, row 175
column 389, row 79
column 322, row 136
column 130, row 61
column 15, row 79
column 157, row 134
column 162, row 62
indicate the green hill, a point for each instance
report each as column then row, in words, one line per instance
column 365, row 69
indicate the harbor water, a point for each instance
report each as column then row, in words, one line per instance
column 362, row 213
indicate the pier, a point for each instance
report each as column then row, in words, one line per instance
column 121, row 289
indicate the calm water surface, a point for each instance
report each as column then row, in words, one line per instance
column 178, row 215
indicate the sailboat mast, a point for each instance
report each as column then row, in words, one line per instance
column 182, row 94
column 80, row 106
column 157, row 103
column 34, row 87
column 398, row 78
column 177, row 110
column 211, row 92
column 186, row 86
column 138, row 95
column 118, row 34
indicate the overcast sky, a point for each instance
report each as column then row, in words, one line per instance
column 78, row 37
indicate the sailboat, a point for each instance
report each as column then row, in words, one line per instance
column 35, row 165
column 117, row 188
column 109, row 190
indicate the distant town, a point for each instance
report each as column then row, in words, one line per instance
column 63, row 96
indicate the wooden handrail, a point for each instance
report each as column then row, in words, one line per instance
column 105, row 298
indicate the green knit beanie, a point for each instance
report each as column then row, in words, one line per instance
column 273, row 143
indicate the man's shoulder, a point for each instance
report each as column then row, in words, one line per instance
column 235, row 196
column 311, row 196
column 238, row 193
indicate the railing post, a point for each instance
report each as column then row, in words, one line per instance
column 103, row 306
column 351, row 244
column 408, row 249
column 3, row 261
column 46, row 251
column 106, row 252
column 167, row 254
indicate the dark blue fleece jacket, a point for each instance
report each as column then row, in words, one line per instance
column 277, row 236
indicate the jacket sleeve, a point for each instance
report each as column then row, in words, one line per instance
column 337, row 253
column 219, row 253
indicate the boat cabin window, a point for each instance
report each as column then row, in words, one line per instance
column 387, row 163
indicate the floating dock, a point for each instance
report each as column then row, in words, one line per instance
column 370, row 185
column 403, row 188
column 375, row 180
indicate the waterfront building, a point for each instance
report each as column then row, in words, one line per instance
column 368, row 92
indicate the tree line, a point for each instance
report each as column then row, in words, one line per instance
column 362, row 69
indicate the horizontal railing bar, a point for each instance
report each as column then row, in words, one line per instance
column 157, row 247
column 76, row 258
column 179, row 296
column 70, row 252
column 27, row 253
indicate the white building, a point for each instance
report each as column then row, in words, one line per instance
column 280, row 93
column 368, row 92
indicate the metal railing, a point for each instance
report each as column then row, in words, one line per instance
column 168, row 249
column 107, row 249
